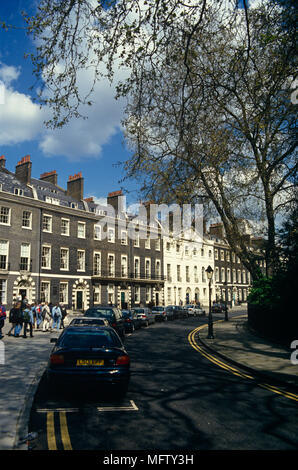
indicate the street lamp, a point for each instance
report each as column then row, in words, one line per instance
column 226, row 301
column 209, row 272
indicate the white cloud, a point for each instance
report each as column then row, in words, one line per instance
column 8, row 73
column 20, row 119
column 85, row 137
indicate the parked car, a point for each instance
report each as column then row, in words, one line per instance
column 175, row 311
column 218, row 307
column 132, row 321
column 112, row 314
column 89, row 354
column 145, row 314
column 160, row 313
column 193, row 309
column 88, row 321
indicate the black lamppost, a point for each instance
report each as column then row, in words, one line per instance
column 226, row 301
column 209, row 272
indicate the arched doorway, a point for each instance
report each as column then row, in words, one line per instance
column 80, row 295
column 188, row 295
column 24, row 287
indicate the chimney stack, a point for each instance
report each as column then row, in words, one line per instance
column 50, row 176
column 2, row 161
column 23, row 170
column 217, row 230
column 116, row 200
column 75, row 186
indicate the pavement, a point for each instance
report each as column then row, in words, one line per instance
column 242, row 347
column 21, row 368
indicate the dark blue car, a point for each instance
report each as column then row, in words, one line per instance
column 89, row 355
column 132, row 321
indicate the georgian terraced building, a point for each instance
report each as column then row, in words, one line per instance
column 56, row 246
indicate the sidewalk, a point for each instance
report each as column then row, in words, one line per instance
column 234, row 341
column 25, row 361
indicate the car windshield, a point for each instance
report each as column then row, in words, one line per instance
column 138, row 310
column 158, row 309
column 90, row 339
column 99, row 312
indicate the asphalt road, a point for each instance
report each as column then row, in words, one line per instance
column 177, row 400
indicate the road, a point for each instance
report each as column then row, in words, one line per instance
column 177, row 400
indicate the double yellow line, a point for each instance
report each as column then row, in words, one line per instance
column 233, row 370
column 51, row 436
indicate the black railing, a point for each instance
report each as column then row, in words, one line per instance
column 134, row 276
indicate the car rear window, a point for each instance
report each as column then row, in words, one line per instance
column 138, row 310
column 82, row 321
column 99, row 312
column 158, row 309
column 90, row 339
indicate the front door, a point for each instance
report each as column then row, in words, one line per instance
column 79, row 300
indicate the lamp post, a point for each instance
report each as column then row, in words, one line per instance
column 226, row 301
column 209, row 272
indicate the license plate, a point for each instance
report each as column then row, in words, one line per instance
column 90, row 362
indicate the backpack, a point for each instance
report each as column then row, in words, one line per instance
column 26, row 315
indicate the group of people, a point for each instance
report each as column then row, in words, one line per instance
column 38, row 316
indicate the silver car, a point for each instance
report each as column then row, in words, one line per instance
column 145, row 314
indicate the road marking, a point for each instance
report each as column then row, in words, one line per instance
column 233, row 370
column 51, row 432
column 57, row 410
column 64, row 431
column 132, row 407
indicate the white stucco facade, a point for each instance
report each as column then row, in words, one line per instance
column 185, row 261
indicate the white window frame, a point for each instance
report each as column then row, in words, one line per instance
column 81, row 269
column 67, row 258
column 45, row 294
column 111, row 231
column 29, row 254
column 147, row 274
column 29, row 227
column 50, row 220
column 111, row 272
column 3, row 291
column 124, row 266
column 81, row 230
column 97, row 232
column 137, row 272
column 63, row 294
column 8, row 215
column 4, row 252
column 124, row 240
column 67, row 226
column 97, row 263
column 47, row 257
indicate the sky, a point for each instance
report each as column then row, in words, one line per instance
column 93, row 146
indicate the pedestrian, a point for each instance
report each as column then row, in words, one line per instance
column 57, row 316
column 33, row 310
column 38, row 310
column 13, row 313
column 15, row 318
column 64, row 314
column 2, row 318
column 46, row 315
column 28, row 321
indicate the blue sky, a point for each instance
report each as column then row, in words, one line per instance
column 92, row 146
